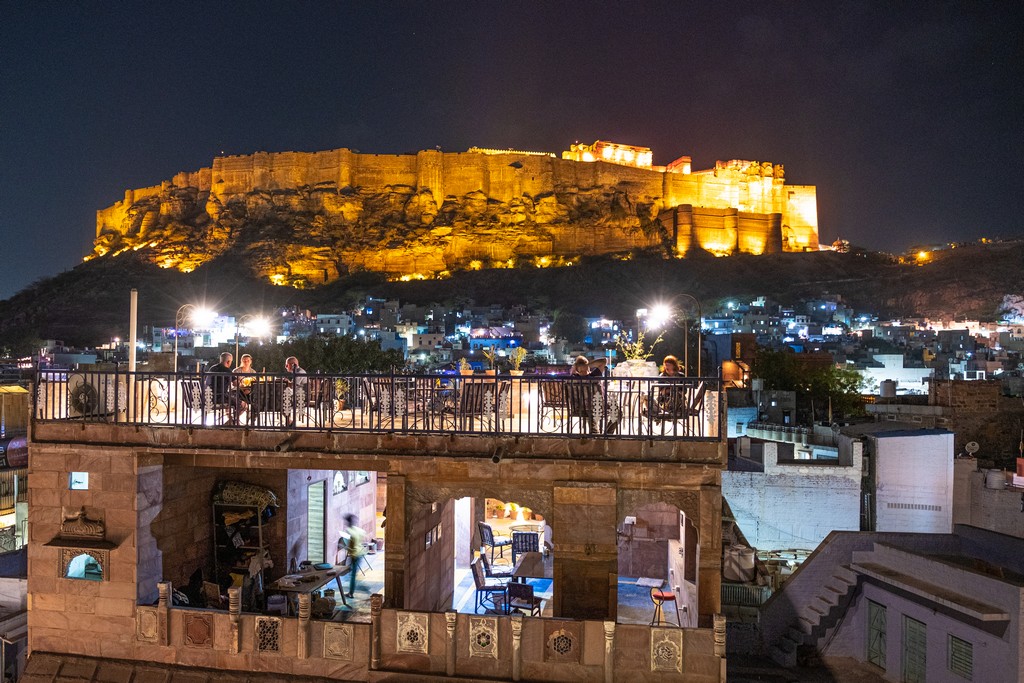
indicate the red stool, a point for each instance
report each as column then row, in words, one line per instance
column 660, row 597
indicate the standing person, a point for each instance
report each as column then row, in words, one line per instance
column 356, row 549
column 294, row 389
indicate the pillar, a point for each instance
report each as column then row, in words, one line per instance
column 586, row 551
column 394, row 543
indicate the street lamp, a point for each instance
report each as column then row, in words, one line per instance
column 257, row 325
column 189, row 314
column 686, row 336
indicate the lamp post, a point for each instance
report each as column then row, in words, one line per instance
column 686, row 336
column 184, row 315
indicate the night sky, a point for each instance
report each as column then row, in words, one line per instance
column 907, row 120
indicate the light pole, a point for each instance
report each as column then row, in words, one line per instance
column 184, row 315
column 686, row 336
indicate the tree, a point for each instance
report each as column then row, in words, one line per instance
column 340, row 355
column 822, row 392
column 569, row 326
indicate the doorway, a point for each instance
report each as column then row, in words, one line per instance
column 316, row 521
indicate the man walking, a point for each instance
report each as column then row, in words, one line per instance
column 356, row 549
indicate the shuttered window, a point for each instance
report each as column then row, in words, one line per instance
column 961, row 657
column 876, row 634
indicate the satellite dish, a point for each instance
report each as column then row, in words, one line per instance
column 972, row 447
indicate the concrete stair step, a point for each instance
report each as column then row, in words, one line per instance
column 782, row 658
column 796, row 635
column 805, row 625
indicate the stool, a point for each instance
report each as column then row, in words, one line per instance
column 660, row 597
column 277, row 603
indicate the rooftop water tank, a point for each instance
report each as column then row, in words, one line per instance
column 995, row 479
column 888, row 388
column 738, row 564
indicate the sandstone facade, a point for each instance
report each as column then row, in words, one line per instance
column 306, row 218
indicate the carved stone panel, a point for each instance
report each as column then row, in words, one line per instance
column 198, row 630
column 338, row 641
column 413, row 632
column 147, row 624
column 268, row 634
column 562, row 642
column 483, row 637
column 667, row 649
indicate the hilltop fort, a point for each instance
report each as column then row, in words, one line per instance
column 304, row 219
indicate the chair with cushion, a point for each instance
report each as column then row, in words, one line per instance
column 489, row 539
column 519, row 596
column 492, row 592
column 504, row 574
column 659, row 597
column 524, row 542
column 677, row 403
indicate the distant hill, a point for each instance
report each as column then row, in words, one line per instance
column 89, row 304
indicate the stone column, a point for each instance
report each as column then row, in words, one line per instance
column 394, row 543
column 163, row 612
column 709, row 597
column 450, row 621
column 609, row 651
column 302, row 636
column 719, row 622
column 517, row 646
column 234, row 615
column 586, row 551
column 376, row 601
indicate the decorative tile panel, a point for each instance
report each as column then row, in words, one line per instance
column 561, row 642
column 147, row 624
column 667, row 649
column 268, row 634
column 483, row 637
column 338, row 641
column 198, row 630
column 412, row 633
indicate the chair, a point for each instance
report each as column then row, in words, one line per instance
column 519, row 596
column 385, row 398
column 488, row 538
column 477, row 401
column 675, row 403
column 490, row 572
column 659, row 597
column 524, row 542
column 192, row 398
column 485, row 591
column 553, row 404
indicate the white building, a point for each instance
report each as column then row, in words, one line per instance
column 891, row 366
column 338, row 324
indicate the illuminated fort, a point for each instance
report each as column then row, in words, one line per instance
column 425, row 214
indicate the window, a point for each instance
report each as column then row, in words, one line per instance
column 961, row 657
column 78, row 481
column 915, row 648
column 876, row 634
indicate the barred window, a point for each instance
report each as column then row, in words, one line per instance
column 961, row 657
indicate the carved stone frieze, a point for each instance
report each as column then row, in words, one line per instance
column 338, row 641
column 413, row 632
column 198, row 630
column 268, row 634
column 667, row 649
column 562, row 642
column 483, row 637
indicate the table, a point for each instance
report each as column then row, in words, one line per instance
column 293, row 585
column 533, row 566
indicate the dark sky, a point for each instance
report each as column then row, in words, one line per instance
column 907, row 119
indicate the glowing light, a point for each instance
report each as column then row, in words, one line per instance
column 659, row 315
column 607, row 152
column 922, row 255
column 202, row 318
column 277, row 279
column 475, row 265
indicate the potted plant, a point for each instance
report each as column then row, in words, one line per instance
column 637, row 355
column 464, row 367
column 517, row 358
column 341, row 389
column 491, row 355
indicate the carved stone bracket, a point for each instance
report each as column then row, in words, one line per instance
column 234, row 615
column 376, row 600
column 609, row 651
column 450, row 622
column 517, row 646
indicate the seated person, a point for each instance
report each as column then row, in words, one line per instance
column 243, row 384
column 671, row 399
column 583, row 367
column 219, row 381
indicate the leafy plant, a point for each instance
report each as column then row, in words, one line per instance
column 464, row 366
column 636, row 350
column 491, row 355
column 517, row 357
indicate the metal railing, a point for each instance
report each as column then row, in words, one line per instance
column 542, row 405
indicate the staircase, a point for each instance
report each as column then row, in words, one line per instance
column 815, row 618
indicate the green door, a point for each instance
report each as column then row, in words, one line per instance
column 915, row 645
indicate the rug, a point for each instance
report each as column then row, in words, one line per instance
column 650, row 583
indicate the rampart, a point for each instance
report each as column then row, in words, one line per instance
column 738, row 206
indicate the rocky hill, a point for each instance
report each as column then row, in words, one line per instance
column 89, row 304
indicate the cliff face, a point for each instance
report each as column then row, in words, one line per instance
column 306, row 219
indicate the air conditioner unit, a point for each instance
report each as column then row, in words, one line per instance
column 96, row 395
